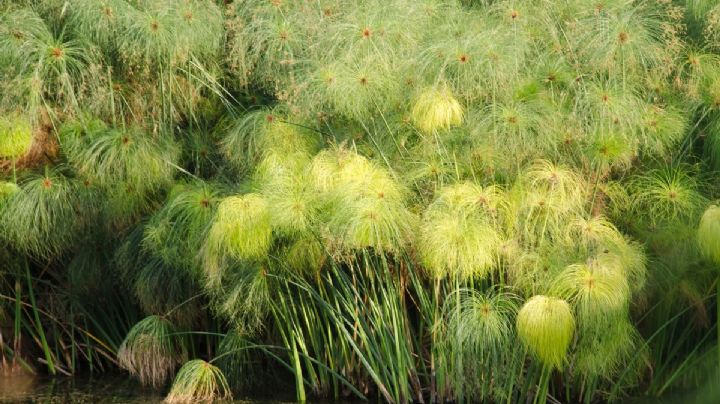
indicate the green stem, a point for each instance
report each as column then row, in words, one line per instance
column 18, row 321
column 299, row 385
column 38, row 325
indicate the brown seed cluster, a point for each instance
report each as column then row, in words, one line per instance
column 57, row 53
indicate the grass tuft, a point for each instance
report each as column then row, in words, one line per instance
column 199, row 381
column 151, row 352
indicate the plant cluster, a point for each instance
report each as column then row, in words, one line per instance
column 433, row 200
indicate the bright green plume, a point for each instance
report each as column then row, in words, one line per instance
column 546, row 326
column 437, row 109
column 241, row 230
column 708, row 234
column 597, row 288
column 8, row 189
column 457, row 237
column 16, row 137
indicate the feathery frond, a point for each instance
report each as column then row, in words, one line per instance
column 241, row 230
column 546, row 326
column 457, row 236
column 436, row 110
column 199, row 381
column 43, row 218
column 151, row 352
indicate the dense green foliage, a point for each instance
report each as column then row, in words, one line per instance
column 428, row 200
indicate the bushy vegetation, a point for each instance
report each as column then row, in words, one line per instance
column 431, row 200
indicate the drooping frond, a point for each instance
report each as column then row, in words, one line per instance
column 176, row 231
column 130, row 157
column 436, row 109
column 241, row 230
column 199, row 381
column 457, row 236
column 151, row 351
column 546, row 326
column 43, row 218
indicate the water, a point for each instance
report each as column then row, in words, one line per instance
column 118, row 388
column 23, row 388
column 104, row 388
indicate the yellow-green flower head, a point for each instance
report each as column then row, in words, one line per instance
column 593, row 232
column 598, row 287
column 546, row 326
column 560, row 188
column 345, row 174
column 242, row 227
column 456, row 236
column 709, row 233
column 374, row 222
column 15, row 137
column 283, row 137
column 436, row 109
column 366, row 205
column 8, row 189
column 470, row 198
column 331, row 169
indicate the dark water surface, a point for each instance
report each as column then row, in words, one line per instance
column 102, row 388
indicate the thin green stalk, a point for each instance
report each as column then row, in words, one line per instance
column 38, row 324
column 18, row 314
column 299, row 383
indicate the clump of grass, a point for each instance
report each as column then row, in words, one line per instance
column 48, row 66
column 306, row 255
column 606, row 346
column 482, row 324
column 199, row 381
column 546, row 326
column 494, row 147
column 293, row 205
column 243, row 296
column 364, row 205
column 610, row 151
column 151, row 351
column 159, row 287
